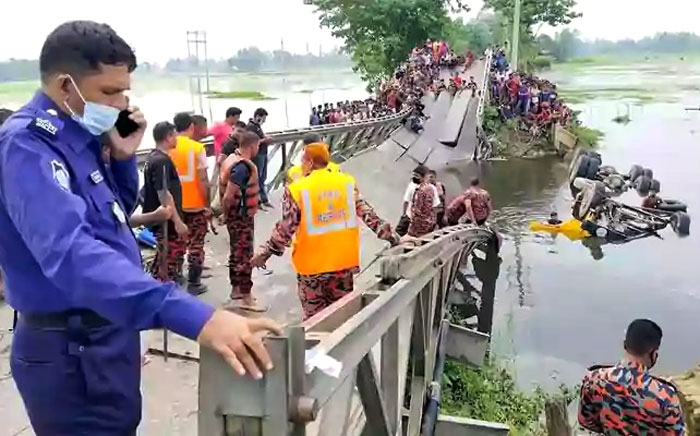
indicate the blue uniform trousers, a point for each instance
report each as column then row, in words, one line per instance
column 78, row 381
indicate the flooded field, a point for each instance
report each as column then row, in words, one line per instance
column 288, row 97
column 559, row 309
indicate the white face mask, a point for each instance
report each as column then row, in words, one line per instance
column 97, row 118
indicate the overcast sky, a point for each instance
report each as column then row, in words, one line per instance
column 156, row 28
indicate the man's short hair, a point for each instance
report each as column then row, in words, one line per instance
column 233, row 112
column 240, row 125
column 311, row 138
column 421, row 170
column 162, row 130
column 433, row 172
column 248, row 138
column 474, row 182
column 182, row 121
column 643, row 336
column 81, row 47
column 260, row 112
column 4, row 115
column 199, row 120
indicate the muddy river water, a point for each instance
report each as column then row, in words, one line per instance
column 558, row 309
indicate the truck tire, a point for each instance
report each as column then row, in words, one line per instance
column 680, row 222
column 647, row 172
column 593, row 167
column 642, row 184
column 580, row 168
column 608, row 170
column 635, row 172
column 591, row 197
column 655, row 186
column 595, row 156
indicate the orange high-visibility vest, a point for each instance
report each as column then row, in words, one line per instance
column 296, row 172
column 328, row 238
column 185, row 157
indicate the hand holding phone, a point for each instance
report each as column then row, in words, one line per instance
column 127, row 134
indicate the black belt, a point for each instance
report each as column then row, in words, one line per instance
column 60, row 320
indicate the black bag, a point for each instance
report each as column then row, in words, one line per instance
column 402, row 226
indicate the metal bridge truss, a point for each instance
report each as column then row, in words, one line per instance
column 390, row 337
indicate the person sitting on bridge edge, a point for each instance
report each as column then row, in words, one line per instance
column 240, row 197
column 301, row 170
column 320, row 214
column 473, row 206
column 625, row 399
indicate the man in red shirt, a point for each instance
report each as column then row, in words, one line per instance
column 223, row 129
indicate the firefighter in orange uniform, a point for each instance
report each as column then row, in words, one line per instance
column 321, row 212
column 190, row 159
column 240, row 194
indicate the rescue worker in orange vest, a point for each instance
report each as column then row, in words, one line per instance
column 321, row 212
column 239, row 192
column 190, row 159
column 299, row 171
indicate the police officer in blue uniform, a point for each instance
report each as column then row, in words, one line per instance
column 72, row 266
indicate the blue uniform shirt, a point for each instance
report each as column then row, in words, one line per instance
column 65, row 242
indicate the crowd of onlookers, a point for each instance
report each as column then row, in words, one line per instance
column 531, row 100
column 404, row 89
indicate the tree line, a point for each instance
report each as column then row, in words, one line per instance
column 250, row 59
column 567, row 44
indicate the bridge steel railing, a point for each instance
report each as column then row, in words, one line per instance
column 345, row 140
column 484, row 98
column 346, row 370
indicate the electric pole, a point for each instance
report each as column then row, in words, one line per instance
column 515, row 42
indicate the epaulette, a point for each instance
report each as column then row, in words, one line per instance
column 597, row 367
column 666, row 382
column 45, row 123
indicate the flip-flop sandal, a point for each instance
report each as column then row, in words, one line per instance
column 237, row 302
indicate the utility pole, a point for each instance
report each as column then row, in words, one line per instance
column 515, row 42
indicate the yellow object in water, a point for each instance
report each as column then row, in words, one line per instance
column 571, row 229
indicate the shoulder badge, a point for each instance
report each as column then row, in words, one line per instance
column 46, row 125
column 666, row 382
column 60, row 175
column 597, row 367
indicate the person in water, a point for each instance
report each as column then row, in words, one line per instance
column 554, row 219
column 651, row 201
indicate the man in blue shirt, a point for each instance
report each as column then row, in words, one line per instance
column 71, row 264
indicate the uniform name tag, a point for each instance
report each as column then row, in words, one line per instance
column 46, row 125
column 96, row 177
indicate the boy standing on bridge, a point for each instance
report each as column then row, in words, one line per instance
column 320, row 213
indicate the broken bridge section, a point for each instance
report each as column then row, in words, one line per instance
column 372, row 362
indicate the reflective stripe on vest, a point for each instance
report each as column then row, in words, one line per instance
column 328, row 237
column 191, row 173
column 350, row 221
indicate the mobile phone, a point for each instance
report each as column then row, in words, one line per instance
column 125, row 125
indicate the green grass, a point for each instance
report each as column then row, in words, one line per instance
column 489, row 393
column 633, row 94
column 587, row 137
column 244, row 95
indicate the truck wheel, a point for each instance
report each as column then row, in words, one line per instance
column 647, row 172
column 615, row 181
column 595, row 156
column 580, row 168
column 591, row 197
column 680, row 222
column 635, row 172
column 593, row 167
column 642, row 184
column 655, row 186
column 608, row 170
